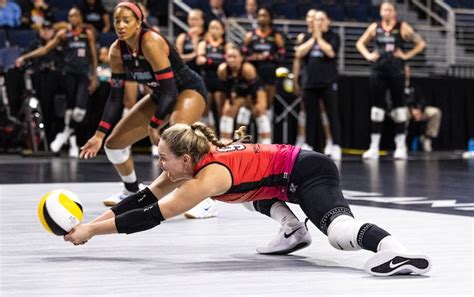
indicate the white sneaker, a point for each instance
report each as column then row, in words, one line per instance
column 60, row 140
column 154, row 151
column 426, row 142
column 73, row 148
column 328, row 148
column 371, row 154
column 336, row 153
column 117, row 197
column 385, row 263
column 205, row 209
column 400, row 153
column 289, row 239
column 307, row 147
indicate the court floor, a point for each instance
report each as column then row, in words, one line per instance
column 216, row 257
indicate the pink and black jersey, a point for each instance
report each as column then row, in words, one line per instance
column 259, row 171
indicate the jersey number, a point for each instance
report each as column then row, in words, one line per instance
column 81, row 52
column 389, row 47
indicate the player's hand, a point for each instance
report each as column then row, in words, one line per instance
column 92, row 85
column 154, row 135
column 19, row 62
column 79, row 234
column 373, row 56
column 398, row 53
column 91, row 148
column 317, row 34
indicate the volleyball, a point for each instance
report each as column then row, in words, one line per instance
column 59, row 211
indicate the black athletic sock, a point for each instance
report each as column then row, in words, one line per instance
column 132, row 187
column 369, row 237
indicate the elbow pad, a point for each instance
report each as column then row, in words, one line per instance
column 138, row 220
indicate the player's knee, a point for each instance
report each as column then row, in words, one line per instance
column 343, row 233
column 399, row 114
column 117, row 156
column 78, row 114
column 377, row 114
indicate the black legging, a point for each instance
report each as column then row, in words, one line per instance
column 313, row 113
column 76, row 90
column 314, row 185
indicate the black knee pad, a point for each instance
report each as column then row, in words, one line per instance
column 138, row 200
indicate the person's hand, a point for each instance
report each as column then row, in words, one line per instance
column 317, row 34
column 398, row 53
column 79, row 234
column 19, row 62
column 91, row 148
column 92, row 85
column 154, row 135
column 373, row 56
column 296, row 88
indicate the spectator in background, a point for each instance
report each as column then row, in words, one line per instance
column 425, row 120
column 95, row 14
column 217, row 11
column 187, row 43
column 319, row 51
column 251, row 7
column 10, row 14
column 36, row 14
column 150, row 20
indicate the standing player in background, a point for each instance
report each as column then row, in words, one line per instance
column 319, row 51
column 265, row 48
column 242, row 88
column 80, row 62
column 187, row 42
column 387, row 72
column 210, row 54
column 178, row 93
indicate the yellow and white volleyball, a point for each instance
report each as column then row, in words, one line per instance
column 59, row 211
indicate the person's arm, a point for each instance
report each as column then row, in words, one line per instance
column 94, row 61
column 303, row 49
column 329, row 47
column 297, row 65
column 408, row 34
column 155, row 50
column 41, row 51
column 281, row 50
column 106, row 20
column 361, row 44
column 201, row 58
column 255, row 85
column 213, row 180
column 251, row 56
column 180, row 47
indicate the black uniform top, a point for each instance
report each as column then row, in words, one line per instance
column 215, row 56
column 261, row 44
column 188, row 47
column 238, row 86
column 386, row 43
column 77, row 54
column 319, row 69
column 138, row 69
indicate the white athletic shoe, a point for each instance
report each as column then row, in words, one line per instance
column 328, row 148
column 468, row 155
column 60, row 140
column 307, row 147
column 400, row 153
column 154, row 151
column 204, row 210
column 73, row 148
column 371, row 154
column 289, row 239
column 336, row 153
column 117, row 197
column 385, row 263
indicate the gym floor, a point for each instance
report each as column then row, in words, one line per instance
column 426, row 202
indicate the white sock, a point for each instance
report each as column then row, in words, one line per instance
column 375, row 140
column 281, row 213
column 131, row 178
column 390, row 243
column 400, row 141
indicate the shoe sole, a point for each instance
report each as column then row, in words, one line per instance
column 386, row 263
column 190, row 216
column 109, row 203
column 297, row 247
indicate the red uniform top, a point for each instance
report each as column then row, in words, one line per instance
column 259, row 171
